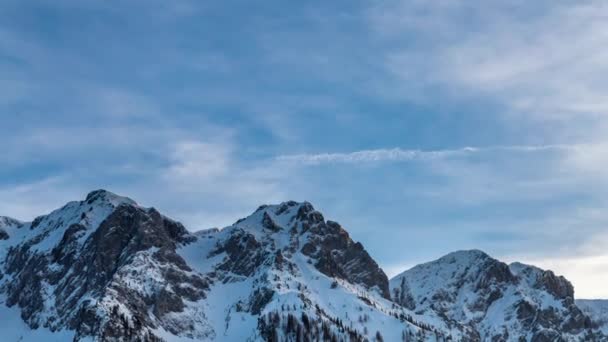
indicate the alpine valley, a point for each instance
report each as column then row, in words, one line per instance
column 108, row 269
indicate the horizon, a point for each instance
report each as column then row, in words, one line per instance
column 423, row 128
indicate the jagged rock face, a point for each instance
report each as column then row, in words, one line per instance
column 127, row 242
column 336, row 254
column 499, row 302
column 291, row 269
column 326, row 243
column 104, row 282
column 244, row 254
column 558, row 286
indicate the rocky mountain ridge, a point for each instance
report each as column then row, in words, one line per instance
column 107, row 269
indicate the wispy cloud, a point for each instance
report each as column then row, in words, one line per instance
column 399, row 154
column 514, row 54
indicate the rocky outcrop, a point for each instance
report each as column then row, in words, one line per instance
column 545, row 280
column 244, row 254
column 336, row 254
column 558, row 286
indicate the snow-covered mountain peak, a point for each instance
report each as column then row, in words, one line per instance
column 498, row 300
column 297, row 227
column 451, row 264
column 462, row 257
column 281, row 217
column 102, row 196
column 287, row 260
column 90, row 264
column 83, row 216
column 466, row 266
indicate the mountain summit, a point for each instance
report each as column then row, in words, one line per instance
column 494, row 301
column 108, row 269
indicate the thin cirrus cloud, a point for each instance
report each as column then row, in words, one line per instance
column 399, row 154
column 542, row 63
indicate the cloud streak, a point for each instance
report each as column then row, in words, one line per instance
column 405, row 155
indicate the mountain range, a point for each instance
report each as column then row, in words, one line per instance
column 107, row 269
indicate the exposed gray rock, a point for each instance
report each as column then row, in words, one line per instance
column 243, row 254
column 336, row 254
column 269, row 223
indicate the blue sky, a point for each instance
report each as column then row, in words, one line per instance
column 423, row 127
